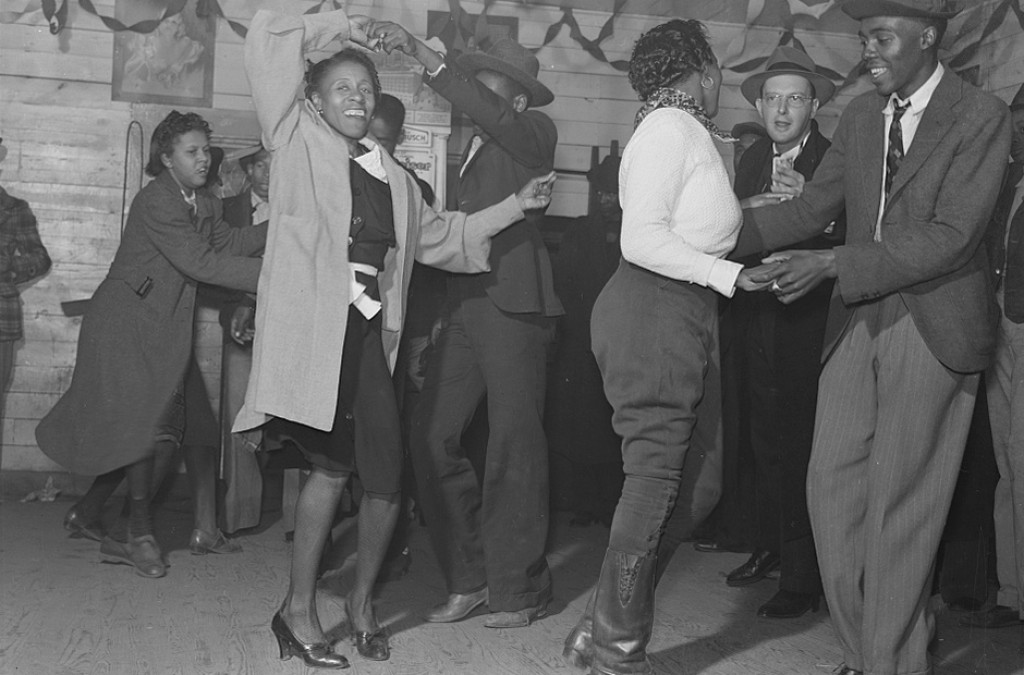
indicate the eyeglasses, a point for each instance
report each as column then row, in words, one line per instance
column 792, row 100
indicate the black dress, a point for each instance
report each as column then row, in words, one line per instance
column 366, row 435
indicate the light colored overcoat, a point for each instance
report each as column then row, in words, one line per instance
column 304, row 284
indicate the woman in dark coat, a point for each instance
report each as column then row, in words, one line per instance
column 124, row 405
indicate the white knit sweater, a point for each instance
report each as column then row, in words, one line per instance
column 680, row 216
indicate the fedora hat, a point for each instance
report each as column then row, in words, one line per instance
column 1018, row 100
column 919, row 9
column 789, row 61
column 513, row 60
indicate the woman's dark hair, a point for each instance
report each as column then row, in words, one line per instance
column 662, row 55
column 167, row 132
column 315, row 73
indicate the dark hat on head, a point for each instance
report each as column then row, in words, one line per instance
column 513, row 60
column 918, row 9
column 789, row 61
column 1018, row 101
column 605, row 176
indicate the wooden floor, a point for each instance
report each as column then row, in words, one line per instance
column 62, row 612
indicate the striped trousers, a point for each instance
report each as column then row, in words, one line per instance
column 889, row 435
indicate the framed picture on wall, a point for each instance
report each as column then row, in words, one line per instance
column 170, row 64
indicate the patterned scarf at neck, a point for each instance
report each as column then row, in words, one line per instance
column 667, row 97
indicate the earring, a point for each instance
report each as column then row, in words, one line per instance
column 707, row 82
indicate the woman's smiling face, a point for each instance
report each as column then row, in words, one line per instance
column 346, row 99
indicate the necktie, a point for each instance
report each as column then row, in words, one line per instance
column 895, row 154
column 1013, row 285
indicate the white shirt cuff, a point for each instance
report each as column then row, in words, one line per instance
column 723, row 277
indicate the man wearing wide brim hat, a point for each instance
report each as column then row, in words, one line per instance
column 774, row 348
column 490, row 540
column 789, row 61
column 917, row 165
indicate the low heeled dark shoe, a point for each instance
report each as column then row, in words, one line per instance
column 457, row 607
column 201, row 543
column 79, row 526
column 316, row 655
column 760, row 565
column 142, row 552
column 520, row 618
column 847, row 670
column 373, row 646
column 789, row 605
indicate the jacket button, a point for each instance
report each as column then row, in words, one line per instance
column 358, row 220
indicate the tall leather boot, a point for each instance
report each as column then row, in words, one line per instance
column 579, row 645
column 624, row 614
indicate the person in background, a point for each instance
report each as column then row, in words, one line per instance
column 388, row 127
column 346, row 224
column 1005, row 381
column 123, row 415
column 490, row 532
column 586, row 457
column 655, row 328
column 243, row 452
column 771, row 351
column 23, row 258
column 746, row 134
column 916, row 164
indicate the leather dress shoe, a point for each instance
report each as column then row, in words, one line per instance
column 457, row 607
column 202, row 543
column 315, row 655
column 79, row 526
column 760, row 565
column 847, row 670
column 517, row 619
column 373, row 646
column 142, row 552
column 999, row 616
column 789, row 605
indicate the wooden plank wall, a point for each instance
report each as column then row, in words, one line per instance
column 66, row 142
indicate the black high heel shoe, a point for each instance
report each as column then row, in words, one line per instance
column 373, row 646
column 318, row 655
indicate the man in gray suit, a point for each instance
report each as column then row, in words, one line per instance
column 911, row 323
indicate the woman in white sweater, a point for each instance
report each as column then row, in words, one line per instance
column 654, row 326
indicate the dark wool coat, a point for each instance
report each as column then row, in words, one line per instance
column 136, row 336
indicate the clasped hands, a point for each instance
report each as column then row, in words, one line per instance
column 790, row 275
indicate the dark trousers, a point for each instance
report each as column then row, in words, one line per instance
column 656, row 344
column 490, row 530
column 782, row 348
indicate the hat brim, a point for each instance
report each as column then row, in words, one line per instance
column 474, row 61
column 824, row 88
column 864, row 9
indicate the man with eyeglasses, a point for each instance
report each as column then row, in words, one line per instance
column 770, row 350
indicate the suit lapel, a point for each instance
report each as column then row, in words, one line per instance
column 869, row 146
column 935, row 124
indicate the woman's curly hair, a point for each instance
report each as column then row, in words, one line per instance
column 316, row 71
column 667, row 52
column 167, row 132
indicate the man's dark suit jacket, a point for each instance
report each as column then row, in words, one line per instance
column 933, row 226
column 1013, row 297
column 519, row 146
